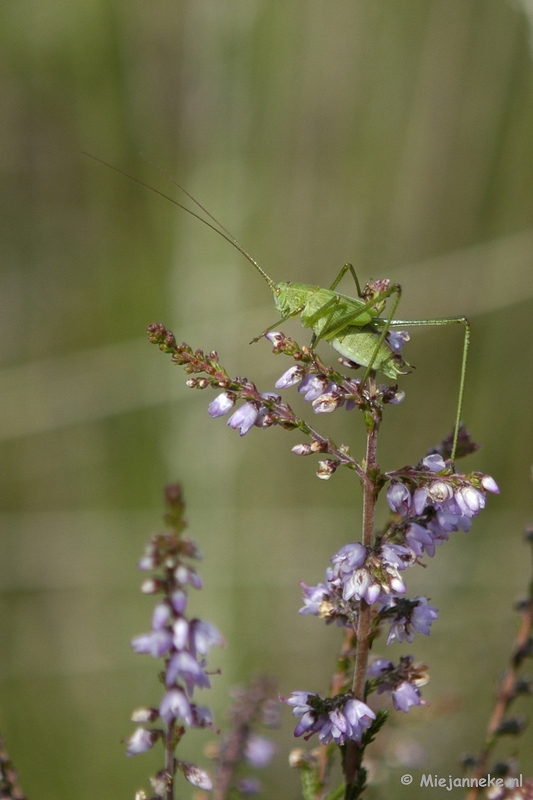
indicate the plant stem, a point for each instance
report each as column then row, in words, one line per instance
column 169, row 762
column 354, row 752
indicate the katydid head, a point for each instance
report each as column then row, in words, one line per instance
column 282, row 299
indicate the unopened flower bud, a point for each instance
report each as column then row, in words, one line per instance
column 140, row 741
column 302, row 449
column 317, row 447
column 326, row 469
column 151, row 586
column 147, row 562
column 439, row 491
column 144, row 714
column 198, row 777
column 489, row 484
column 275, row 337
column 347, row 362
column 160, row 783
column 299, row 758
column 290, row 377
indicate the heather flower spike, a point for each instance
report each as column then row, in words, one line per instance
column 184, row 643
column 241, row 748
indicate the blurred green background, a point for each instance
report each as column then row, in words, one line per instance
column 395, row 135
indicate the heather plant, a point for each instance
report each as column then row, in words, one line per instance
column 364, row 590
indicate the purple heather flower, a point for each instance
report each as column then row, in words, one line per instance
column 377, row 667
column 203, row 636
column 399, row 498
column 423, row 615
column 348, row 723
column 202, row 717
column 313, row 597
column 290, row 377
column 418, row 620
column 183, row 666
column 161, row 616
column 221, row 405
column 311, row 720
column 337, row 724
column 362, row 586
column 244, row 418
column 396, row 555
column 406, row 695
column 419, row 540
column 447, row 522
column 259, row 751
column 179, row 601
column 187, row 575
column 397, row 339
column 312, row 387
column 155, row 644
column 434, row 462
column 176, row 704
column 181, row 633
column 300, row 702
column 420, row 500
column 348, row 558
column 328, row 401
column 140, row 741
column 469, row 500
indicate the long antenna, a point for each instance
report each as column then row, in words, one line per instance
column 222, row 232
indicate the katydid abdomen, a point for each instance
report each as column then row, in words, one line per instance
column 359, row 345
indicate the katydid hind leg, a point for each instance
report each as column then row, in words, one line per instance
column 466, row 344
column 395, row 289
column 347, row 268
column 333, row 328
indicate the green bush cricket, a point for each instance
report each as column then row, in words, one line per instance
column 353, row 326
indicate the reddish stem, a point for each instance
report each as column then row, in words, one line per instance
column 354, row 752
